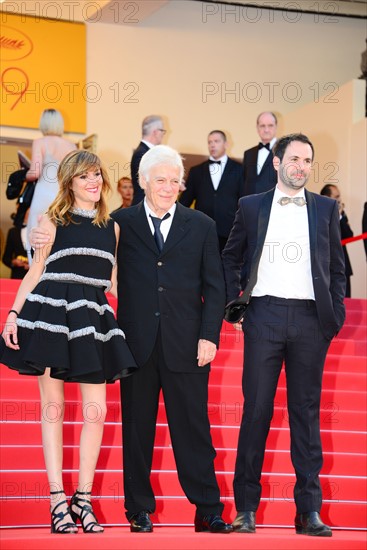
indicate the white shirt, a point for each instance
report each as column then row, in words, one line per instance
column 147, row 143
column 165, row 225
column 285, row 263
column 262, row 155
column 216, row 170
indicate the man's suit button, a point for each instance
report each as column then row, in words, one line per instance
column 159, row 264
column 160, row 289
column 157, row 314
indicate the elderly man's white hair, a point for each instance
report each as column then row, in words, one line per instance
column 160, row 154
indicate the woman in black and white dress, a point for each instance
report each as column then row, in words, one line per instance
column 62, row 329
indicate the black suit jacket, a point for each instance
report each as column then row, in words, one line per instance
column 180, row 290
column 13, row 248
column 221, row 204
column 246, row 241
column 258, row 183
column 346, row 233
column 139, row 194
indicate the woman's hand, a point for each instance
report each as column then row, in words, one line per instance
column 10, row 332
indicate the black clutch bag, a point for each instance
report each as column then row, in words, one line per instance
column 235, row 311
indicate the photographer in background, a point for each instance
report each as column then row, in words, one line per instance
column 332, row 191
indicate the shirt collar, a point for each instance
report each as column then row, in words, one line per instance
column 149, row 211
column 222, row 159
column 271, row 143
column 147, row 143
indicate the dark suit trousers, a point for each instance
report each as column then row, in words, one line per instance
column 185, row 397
column 278, row 330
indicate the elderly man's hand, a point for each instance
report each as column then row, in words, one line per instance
column 206, row 352
column 38, row 237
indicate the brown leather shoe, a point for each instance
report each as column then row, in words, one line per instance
column 245, row 522
column 311, row 524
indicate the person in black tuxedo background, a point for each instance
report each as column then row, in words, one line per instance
column 216, row 185
column 332, row 191
column 259, row 172
column 152, row 134
column 364, row 226
column 171, row 299
column 288, row 241
column 15, row 255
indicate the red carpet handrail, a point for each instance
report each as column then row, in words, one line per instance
column 360, row 237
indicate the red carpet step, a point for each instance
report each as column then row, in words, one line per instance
column 179, row 538
column 24, row 490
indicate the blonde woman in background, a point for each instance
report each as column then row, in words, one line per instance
column 47, row 153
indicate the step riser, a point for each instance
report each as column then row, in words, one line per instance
column 111, row 459
column 338, row 347
column 27, row 386
column 219, row 413
column 180, row 511
column 26, row 483
column 29, row 433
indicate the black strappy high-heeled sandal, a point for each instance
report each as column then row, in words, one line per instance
column 85, row 509
column 57, row 525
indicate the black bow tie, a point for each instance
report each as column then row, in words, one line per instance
column 215, row 162
column 266, row 145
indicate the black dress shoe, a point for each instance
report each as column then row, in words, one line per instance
column 212, row 523
column 311, row 524
column 245, row 522
column 141, row 523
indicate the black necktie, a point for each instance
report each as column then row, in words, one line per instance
column 214, row 162
column 158, row 237
column 266, row 145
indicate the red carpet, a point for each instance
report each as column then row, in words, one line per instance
column 24, row 490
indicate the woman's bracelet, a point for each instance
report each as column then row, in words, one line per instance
column 13, row 311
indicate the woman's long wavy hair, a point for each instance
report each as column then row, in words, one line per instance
column 74, row 164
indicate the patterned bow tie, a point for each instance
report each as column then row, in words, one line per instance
column 299, row 201
column 266, row 145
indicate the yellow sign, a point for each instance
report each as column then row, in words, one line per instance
column 42, row 67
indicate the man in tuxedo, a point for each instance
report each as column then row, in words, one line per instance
column 171, row 297
column 288, row 241
column 332, row 191
column 216, row 185
column 152, row 134
column 259, row 172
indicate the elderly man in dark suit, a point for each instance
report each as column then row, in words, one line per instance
column 152, row 134
column 259, row 172
column 216, row 185
column 171, row 297
column 287, row 241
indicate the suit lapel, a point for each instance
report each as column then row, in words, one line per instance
column 269, row 160
column 179, row 229
column 141, row 227
column 262, row 226
column 264, row 215
column 226, row 171
column 207, row 176
column 312, row 222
